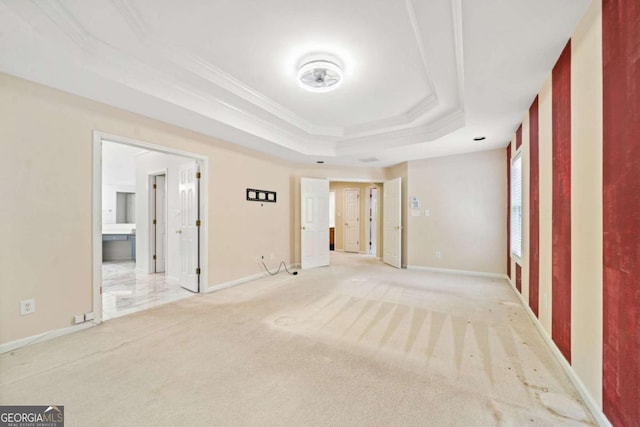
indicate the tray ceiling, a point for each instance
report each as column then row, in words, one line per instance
column 421, row 77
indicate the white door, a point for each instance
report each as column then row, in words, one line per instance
column 351, row 220
column 314, row 222
column 161, row 223
column 373, row 221
column 392, row 224
column 188, row 191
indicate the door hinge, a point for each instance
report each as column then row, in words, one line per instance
column 198, row 270
column 198, row 223
column 154, row 222
column 198, row 175
column 154, row 257
column 155, row 186
column 100, row 290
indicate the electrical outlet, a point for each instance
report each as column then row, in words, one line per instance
column 438, row 254
column 27, row 306
column 272, row 256
column 257, row 259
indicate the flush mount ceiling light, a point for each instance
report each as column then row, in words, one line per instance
column 320, row 76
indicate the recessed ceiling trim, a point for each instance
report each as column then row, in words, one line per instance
column 418, row 36
column 389, row 123
column 456, row 6
column 95, row 47
column 216, row 76
column 447, row 123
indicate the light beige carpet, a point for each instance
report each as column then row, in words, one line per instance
column 355, row 344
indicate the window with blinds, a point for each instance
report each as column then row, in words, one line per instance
column 516, row 206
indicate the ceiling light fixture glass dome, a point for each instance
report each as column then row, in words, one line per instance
column 320, row 76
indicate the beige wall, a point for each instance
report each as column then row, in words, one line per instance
column 466, row 195
column 46, row 214
column 586, row 200
column 339, row 188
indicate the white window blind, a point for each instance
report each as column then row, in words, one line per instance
column 516, row 206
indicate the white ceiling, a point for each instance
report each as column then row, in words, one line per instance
column 421, row 77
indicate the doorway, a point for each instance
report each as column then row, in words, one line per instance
column 356, row 212
column 157, row 221
column 160, row 235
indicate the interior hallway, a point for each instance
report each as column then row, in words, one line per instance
column 357, row 343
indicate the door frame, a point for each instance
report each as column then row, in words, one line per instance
column 379, row 183
column 203, row 163
column 371, row 224
column 153, row 229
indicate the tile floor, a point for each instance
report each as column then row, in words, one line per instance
column 124, row 291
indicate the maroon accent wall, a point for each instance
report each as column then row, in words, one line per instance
column 518, row 277
column 621, row 211
column 561, row 199
column 534, row 209
column 519, row 137
column 509, row 211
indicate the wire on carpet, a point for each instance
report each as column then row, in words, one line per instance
column 282, row 264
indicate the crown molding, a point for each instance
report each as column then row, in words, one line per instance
column 196, row 65
column 302, row 136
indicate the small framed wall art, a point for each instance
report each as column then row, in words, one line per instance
column 254, row 195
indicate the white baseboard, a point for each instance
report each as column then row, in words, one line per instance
column 46, row 336
column 463, row 272
column 593, row 407
column 242, row 280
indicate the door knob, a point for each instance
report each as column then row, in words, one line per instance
column 303, row 227
column 179, row 231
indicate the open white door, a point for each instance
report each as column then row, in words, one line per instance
column 314, row 222
column 161, row 223
column 189, row 224
column 392, row 227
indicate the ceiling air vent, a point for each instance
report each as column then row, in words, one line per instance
column 369, row 159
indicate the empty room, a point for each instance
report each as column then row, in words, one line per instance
column 347, row 213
